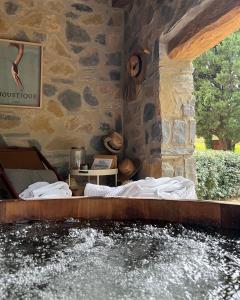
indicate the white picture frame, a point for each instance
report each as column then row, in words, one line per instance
column 102, row 163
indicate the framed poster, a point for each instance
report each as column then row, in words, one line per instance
column 20, row 74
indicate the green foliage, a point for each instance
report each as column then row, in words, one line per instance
column 218, row 174
column 237, row 148
column 217, row 91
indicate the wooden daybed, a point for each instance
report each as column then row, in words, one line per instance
column 204, row 213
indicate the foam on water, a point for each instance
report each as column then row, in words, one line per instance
column 117, row 261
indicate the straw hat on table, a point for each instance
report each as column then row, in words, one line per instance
column 128, row 168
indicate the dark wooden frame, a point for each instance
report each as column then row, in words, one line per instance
column 18, row 150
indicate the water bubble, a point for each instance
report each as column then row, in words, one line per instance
column 95, row 260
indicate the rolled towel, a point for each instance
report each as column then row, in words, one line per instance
column 28, row 193
column 45, row 190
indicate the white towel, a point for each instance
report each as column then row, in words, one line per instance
column 161, row 188
column 28, row 193
column 45, row 190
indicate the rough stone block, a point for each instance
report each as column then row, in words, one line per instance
column 189, row 109
column 101, row 39
column 166, row 131
column 90, row 61
column 156, row 131
column 3, row 26
column 62, row 69
column 33, row 19
column 49, row 90
column 70, row 100
column 54, row 108
column 179, row 132
column 77, row 49
column 192, row 131
column 175, row 150
column 115, row 75
column 20, row 36
column 39, row 36
column 93, row 20
column 89, row 98
column 42, row 124
column 179, row 171
column 190, row 169
column 167, row 170
column 149, row 112
column 82, row 7
column 10, row 7
column 76, row 33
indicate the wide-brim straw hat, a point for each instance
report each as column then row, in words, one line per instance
column 113, row 142
column 128, row 168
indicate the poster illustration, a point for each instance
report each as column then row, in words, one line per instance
column 20, row 73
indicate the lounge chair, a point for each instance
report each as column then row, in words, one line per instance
column 20, row 167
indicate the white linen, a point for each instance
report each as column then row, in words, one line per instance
column 176, row 188
column 59, row 189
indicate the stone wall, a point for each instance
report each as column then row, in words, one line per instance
column 159, row 125
column 82, row 65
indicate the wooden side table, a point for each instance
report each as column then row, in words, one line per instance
column 93, row 173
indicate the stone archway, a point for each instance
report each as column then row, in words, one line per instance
column 160, row 124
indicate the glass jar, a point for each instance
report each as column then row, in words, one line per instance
column 77, row 158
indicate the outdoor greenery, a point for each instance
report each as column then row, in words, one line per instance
column 201, row 146
column 218, row 174
column 217, row 91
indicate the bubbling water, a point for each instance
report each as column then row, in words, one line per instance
column 76, row 260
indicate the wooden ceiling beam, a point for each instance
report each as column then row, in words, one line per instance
column 206, row 30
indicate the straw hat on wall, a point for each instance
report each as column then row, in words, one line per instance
column 113, row 142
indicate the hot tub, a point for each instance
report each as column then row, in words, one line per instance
column 117, row 260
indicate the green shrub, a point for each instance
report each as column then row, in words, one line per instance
column 218, row 174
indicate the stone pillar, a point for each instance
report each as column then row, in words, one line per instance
column 177, row 109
